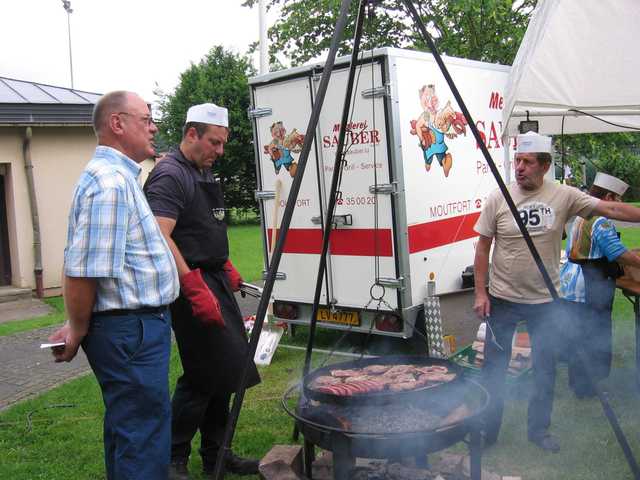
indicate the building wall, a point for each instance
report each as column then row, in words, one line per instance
column 58, row 154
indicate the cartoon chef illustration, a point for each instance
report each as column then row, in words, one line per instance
column 429, row 102
column 433, row 125
column 282, row 146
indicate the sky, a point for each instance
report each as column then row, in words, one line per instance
column 135, row 45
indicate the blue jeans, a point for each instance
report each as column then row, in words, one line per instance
column 129, row 355
column 545, row 323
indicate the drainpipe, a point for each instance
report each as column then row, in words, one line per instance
column 35, row 219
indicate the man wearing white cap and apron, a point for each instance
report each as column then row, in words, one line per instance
column 588, row 281
column 189, row 207
column 516, row 290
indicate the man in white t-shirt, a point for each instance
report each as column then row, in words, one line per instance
column 516, row 290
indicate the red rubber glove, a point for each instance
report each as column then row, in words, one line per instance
column 204, row 304
column 232, row 275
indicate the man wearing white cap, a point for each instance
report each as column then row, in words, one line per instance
column 516, row 290
column 587, row 280
column 188, row 204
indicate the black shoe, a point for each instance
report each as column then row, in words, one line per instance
column 234, row 464
column 488, row 440
column 546, row 442
column 178, row 470
column 240, row 465
column 584, row 392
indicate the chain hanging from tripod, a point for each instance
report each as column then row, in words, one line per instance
column 377, row 291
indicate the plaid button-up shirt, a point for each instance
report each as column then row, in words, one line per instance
column 114, row 237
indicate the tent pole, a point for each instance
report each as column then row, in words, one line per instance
column 507, row 159
column 571, row 112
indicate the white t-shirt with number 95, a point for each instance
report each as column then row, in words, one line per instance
column 514, row 275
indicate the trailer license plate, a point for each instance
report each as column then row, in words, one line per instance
column 340, row 316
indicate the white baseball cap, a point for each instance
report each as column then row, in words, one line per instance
column 209, row 113
column 531, row 142
column 611, row 183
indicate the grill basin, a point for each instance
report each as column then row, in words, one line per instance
column 415, row 425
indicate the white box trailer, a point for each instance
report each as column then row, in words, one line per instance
column 413, row 184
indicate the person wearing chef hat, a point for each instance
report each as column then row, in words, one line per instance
column 587, row 280
column 188, row 204
column 516, row 291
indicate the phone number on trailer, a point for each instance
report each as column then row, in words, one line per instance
column 361, row 200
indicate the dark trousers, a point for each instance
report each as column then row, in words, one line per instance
column 129, row 355
column 593, row 330
column 193, row 410
column 543, row 324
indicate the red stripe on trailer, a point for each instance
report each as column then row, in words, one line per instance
column 424, row 236
column 357, row 242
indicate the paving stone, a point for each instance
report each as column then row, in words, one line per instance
column 456, row 464
column 10, row 294
column 322, row 468
column 23, row 309
column 28, row 370
column 448, row 463
column 288, row 457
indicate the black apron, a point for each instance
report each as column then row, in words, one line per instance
column 212, row 357
column 600, row 289
column 593, row 324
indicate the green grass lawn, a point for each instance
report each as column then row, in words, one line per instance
column 54, row 318
column 58, row 435
column 63, row 440
column 245, row 251
column 589, row 448
column 630, row 237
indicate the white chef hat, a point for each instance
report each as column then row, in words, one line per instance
column 208, row 113
column 611, row 183
column 531, row 142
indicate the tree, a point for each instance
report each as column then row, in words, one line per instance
column 613, row 153
column 486, row 30
column 220, row 77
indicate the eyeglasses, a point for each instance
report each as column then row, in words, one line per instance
column 147, row 119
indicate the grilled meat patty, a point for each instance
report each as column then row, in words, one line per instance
column 376, row 378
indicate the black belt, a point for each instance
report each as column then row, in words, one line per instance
column 130, row 311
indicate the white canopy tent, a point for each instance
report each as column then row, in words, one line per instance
column 577, row 55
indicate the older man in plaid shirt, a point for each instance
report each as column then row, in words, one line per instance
column 119, row 277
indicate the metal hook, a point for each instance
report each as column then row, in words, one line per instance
column 381, row 296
